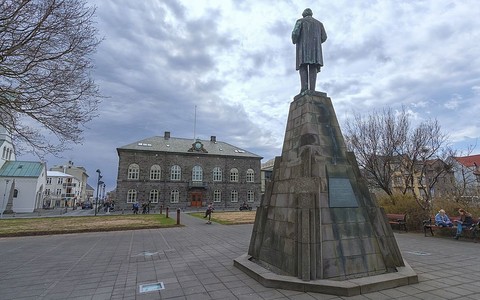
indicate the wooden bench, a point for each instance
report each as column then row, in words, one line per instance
column 399, row 220
column 430, row 225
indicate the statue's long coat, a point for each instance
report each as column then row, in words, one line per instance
column 309, row 34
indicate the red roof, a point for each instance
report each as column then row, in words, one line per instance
column 469, row 161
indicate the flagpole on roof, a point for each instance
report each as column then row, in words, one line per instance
column 195, row 124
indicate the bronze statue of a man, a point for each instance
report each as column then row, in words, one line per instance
column 308, row 34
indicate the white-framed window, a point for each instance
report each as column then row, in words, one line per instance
column 234, row 175
column 47, row 191
column 59, row 180
column 154, row 196
column 155, row 172
column 58, row 192
column 131, row 196
column 234, row 196
column 174, row 196
column 217, row 174
column 250, row 196
column 197, row 173
column 175, row 173
column 217, row 196
column 133, row 171
column 49, row 180
column 250, row 175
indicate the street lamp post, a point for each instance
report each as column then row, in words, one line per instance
column 98, row 185
column 103, row 192
column 4, row 195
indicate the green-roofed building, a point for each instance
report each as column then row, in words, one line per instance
column 181, row 173
column 23, row 183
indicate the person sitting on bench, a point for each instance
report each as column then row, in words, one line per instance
column 442, row 220
column 465, row 221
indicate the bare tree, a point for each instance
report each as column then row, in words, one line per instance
column 375, row 139
column 388, row 148
column 425, row 152
column 46, row 89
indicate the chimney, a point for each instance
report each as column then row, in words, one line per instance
column 166, row 135
column 213, row 139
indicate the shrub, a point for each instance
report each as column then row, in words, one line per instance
column 404, row 204
column 451, row 207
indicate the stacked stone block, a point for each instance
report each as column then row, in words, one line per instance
column 318, row 219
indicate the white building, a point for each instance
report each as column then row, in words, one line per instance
column 80, row 175
column 61, row 189
column 467, row 175
column 26, row 181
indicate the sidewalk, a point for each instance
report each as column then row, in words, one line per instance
column 196, row 262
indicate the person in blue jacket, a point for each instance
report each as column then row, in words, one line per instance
column 441, row 219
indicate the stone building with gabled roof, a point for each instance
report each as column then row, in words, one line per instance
column 181, row 173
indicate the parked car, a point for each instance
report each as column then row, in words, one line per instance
column 87, row 205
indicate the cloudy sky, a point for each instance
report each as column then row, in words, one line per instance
column 235, row 62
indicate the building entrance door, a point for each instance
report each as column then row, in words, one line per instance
column 196, row 199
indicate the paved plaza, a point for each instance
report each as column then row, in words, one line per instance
column 196, row 262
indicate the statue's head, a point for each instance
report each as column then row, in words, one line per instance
column 307, row 12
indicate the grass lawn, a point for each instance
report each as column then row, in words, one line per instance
column 60, row 225
column 230, row 217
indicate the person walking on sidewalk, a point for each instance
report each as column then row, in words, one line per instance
column 208, row 212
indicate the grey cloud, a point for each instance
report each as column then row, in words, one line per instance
column 177, row 8
column 442, row 31
column 371, row 47
column 281, row 29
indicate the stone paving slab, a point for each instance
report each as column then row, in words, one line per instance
column 196, row 262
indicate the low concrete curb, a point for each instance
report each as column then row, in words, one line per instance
column 405, row 276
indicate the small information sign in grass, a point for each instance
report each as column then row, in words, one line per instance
column 230, row 217
column 61, row 225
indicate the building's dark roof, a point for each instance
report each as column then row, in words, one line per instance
column 22, row 169
column 181, row 145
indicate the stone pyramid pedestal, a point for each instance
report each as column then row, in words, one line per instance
column 318, row 228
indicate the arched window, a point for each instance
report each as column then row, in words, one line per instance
column 217, row 196
column 15, row 193
column 132, row 196
column 197, row 173
column 217, row 174
column 234, row 196
column 174, row 196
column 250, row 175
column 155, row 172
column 250, row 196
column 154, row 196
column 133, row 171
column 175, row 173
column 234, row 175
